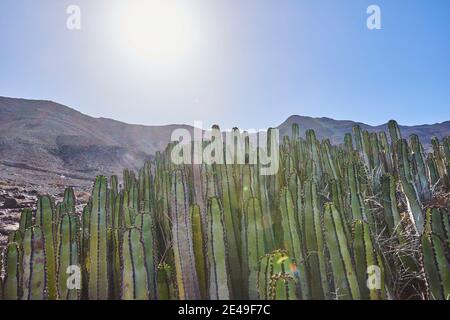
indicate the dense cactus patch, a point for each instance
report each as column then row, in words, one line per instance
column 365, row 220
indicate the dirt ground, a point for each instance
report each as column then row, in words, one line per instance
column 20, row 189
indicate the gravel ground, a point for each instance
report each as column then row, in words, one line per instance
column 15, row 195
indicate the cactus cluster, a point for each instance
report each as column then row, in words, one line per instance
column 356, row 221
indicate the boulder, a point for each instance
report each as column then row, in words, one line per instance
column 10, row 203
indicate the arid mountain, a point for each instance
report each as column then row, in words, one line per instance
column 47, row 138
column 336, row 129
column 44, row 141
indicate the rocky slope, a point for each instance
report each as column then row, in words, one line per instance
column 46, row 143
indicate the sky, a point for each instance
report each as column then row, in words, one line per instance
column 246, row 63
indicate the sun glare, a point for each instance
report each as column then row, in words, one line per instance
column 156, row 31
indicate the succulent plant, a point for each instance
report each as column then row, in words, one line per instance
column 335, row 222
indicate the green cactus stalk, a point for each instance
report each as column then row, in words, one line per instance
column 437, row 221
column 374, row 147
column 276, row 262
column 367, row 147
column 283, row 287
column 218, row 278
column 146, row 224
column 69, row 200
column 440, row 163
column 432, row 167
column 329, row 160
column 393, row 219
column 389, row 202
column 134, row 270
column 344, row 276
column 12, row 283
column 420, row 172
column 295, row 132
column 255, row 242
column 292, row 241
column 114, row 186
column 26, row 220
column 45, row 218
column 35, row 285
column 269, row 236
column 358, row 138
column 230, row 199
column 312, row 251
column 394, row 131
column 127, row 211
column 314, row 151
column 97, row 259
column 166, row 285
column 187, row 279
column 413, row 200
column 366, row 258
column 15, row 236
column 348, row 142
column 436, row 265
column 68, row 257
column 356, row 201
column 385, row 152
column 199, row 241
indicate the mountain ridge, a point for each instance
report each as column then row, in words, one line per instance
column 42, row 135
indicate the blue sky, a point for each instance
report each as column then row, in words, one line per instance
column 252, row 63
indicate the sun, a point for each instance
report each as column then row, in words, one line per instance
column 156, row 31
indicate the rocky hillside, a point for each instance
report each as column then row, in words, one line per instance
column 46, row 143
column 46, row 139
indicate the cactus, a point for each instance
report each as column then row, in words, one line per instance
column 166, row 285
column 420, row 172
column 146, row 224
column 394, row 131
column 69, row 200
column 232, row 223
column 34, row 264
column 436, row 265
column 218, row 278
column 12, row 285
column 357, row 206
column 187, row 280
column 26, row 220
column 283, row 287
column 312, row 226
column 275, row 263
column 440, row 163
column 203, row 231
column 255, row 242
column 68, row 257
column 413, row 200
column 365, row 259
column 292, row 240
column 46, row 219
column 97, row 264
column 438, row 222
column 199, row 241
column 344, row 276
column 134, row 269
